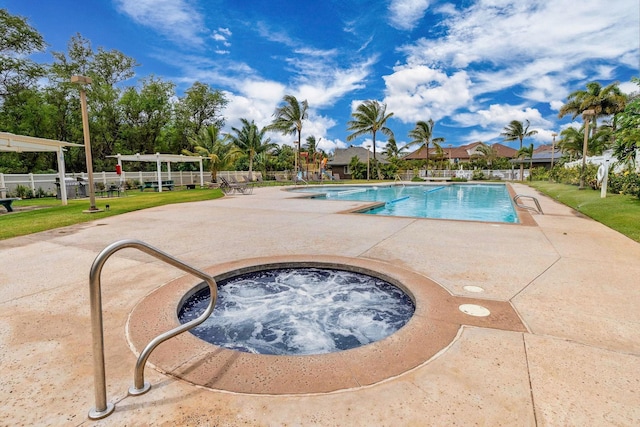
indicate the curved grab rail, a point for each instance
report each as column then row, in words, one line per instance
column 102, row 408
column 537, row 209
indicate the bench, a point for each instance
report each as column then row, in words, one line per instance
column 7, row 203
column 154, row 185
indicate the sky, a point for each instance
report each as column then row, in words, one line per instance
column 472, row 66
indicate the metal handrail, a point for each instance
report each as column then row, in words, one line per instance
column 102, row 408
column 538, row 209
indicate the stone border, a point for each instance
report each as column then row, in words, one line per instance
column 432, row 328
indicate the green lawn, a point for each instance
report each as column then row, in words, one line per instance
column 48, row 213
column 616, row 211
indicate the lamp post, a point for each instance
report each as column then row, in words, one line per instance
column 553, row 152
column 586, row 114
column 367, row 147
column 82, row 80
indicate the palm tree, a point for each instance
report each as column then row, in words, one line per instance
column 516, row 130
column 391, row 149
column 605, row 101
column 572, row 141
column 209, row 144
column 489, row 152
column 369, row 117
column 523, row 153
column 249, row 139
column 423, row 134
column 288, row 120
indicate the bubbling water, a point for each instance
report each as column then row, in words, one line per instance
column 299, row 311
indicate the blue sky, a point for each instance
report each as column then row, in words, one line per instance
column 471, row 66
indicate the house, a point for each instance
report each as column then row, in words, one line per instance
column 461, row 154
column 542, row 156
column 339, row 162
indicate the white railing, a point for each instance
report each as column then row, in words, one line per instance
column 47, row 182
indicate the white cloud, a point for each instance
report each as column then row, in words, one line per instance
column 175, row 19
column 404, row 14
column 419, row 93
column 529, row 46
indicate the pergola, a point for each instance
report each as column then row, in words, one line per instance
column 29, row 144
column 159, row 159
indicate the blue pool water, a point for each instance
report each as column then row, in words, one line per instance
column 473, row 202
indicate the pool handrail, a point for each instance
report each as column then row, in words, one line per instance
column 537, row 209
column 102, row 408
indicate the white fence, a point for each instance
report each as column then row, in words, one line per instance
column 505, row 174
column 47, row 183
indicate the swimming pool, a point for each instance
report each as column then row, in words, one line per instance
column 472, row 202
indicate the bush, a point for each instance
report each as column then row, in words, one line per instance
column 539, row 174
column 23, row 192
column 478, row 175
column 624, row 183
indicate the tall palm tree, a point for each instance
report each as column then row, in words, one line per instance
column 288, row 120
column 249, row 139
column 209, row 144
column 517, row 131
column 422, row 134
column 605, row 101
column 524, row 153
column 369, row 117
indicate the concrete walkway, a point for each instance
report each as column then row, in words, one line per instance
column 574, row 283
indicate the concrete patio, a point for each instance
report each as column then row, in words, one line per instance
column 574, row 283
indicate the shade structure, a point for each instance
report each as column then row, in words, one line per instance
column 10, row 142
column 159, row 159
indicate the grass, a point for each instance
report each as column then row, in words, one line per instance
column 617, row 211
column 49, row 213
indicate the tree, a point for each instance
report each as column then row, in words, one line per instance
column 489, row 152
column 357, row 168
column 201, row 106
column 526, row 153
column 422, row 134
column 249, row 139
column 288, row 120
column 209, row 143
column 517, row 131
column 391, row 149
column 17, row 41
column 146, row 113
column 605, row 101
column 572, row 141
column 369, row 117
column 627, row 133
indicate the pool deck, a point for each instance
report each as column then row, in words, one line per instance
column 574, row 283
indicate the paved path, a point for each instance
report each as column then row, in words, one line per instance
column 574, row 283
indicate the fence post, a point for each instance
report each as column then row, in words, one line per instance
column 33, row 185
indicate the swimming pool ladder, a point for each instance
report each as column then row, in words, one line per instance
column 102, row 408
column 537, row 209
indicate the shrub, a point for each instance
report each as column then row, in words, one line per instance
column 478, row 175
column 624, row 183
column 539, row 174
column 23, row 192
